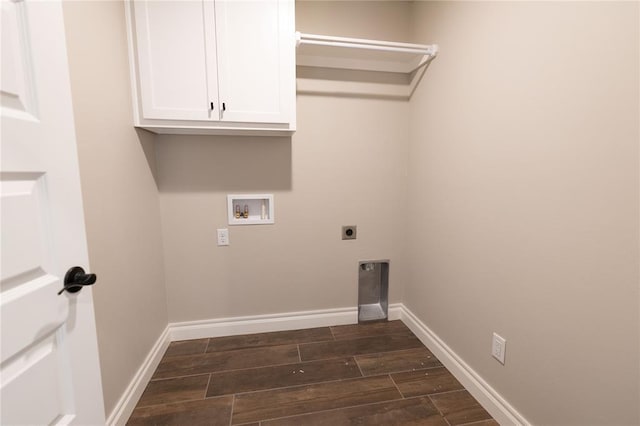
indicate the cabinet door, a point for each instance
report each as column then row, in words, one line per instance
column 177, row 78
column 256, row 54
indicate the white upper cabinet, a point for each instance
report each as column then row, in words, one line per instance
column 213, row 66
column 254, row 68
column 173, row 72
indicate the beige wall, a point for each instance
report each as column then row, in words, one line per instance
column 381, row 20
column 524, row 188
column 120, row 195
column 345, row 165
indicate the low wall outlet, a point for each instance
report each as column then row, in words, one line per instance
column 498, row 347
column 223, row 237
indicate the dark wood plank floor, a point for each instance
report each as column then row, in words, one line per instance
column 366, row 374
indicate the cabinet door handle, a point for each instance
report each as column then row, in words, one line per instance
column 211, row 106
column 224, row 108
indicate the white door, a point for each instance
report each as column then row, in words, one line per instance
column 256, row 54
column 49, row 371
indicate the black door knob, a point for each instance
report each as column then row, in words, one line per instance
column 75, row 279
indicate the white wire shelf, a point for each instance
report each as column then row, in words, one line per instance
column 362, row 54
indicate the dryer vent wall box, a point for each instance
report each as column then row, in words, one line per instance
column 194, row 66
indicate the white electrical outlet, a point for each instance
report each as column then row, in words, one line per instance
column 223, row 237
column 498, row 347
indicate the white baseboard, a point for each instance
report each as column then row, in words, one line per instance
column 132, row 394
column 395, row 311
column 492, row 401
column 261, row 323
column 266, row 323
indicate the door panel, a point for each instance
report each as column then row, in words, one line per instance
column 17, row 308
column 17, row 92
column 40, row 364
column 23, row 240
